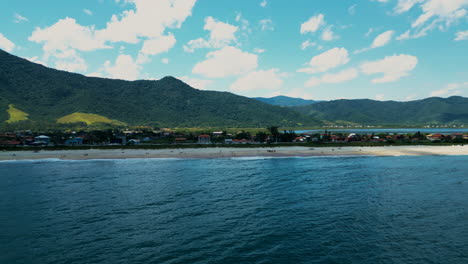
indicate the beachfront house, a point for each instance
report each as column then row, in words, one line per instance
column 204, row 139
column 42, row 140
column 75, row 141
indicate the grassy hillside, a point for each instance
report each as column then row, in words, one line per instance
column 48, row 95
column 453, row 110
column 89, row 119
column 16, row 115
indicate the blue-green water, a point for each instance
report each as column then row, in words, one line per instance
column 287, row 210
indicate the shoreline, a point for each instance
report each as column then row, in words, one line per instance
column 214, row 153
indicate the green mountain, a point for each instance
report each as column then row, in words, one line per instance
column 285, row 101
column 434, row 110
column 34, row 92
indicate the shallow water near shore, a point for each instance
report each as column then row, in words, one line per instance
column 236, row 210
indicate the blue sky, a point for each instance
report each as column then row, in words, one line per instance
column 379, row 49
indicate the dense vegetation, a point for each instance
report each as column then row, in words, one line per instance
column 47, row 95
column 285, row 101
column 434, row 110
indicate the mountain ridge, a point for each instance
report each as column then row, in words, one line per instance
column 47, row 94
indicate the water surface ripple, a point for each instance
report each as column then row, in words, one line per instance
column 287, row 210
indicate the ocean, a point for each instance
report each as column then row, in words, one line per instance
column 236, row 210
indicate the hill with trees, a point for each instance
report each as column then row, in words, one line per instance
column 434, row 110
column 285, row 101
column 40, row 94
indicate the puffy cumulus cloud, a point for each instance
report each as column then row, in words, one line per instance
column 266, row 24
column 149, row 19
column 327, row 60
column 69, row 60
column 124, row 68
column 313, row 24
column 328, row 34
column 393, row 67
column 263, row 3
column 6, row 44
column 156, row 46
column 201, row 84
column 461, row 35
column 221, row 34
column 450, row 90
column 258, row 81
column 339, row 77
column 435, row 14
column 380, row 41
column 67, row 34
column 228, row 61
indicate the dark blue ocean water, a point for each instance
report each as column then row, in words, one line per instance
column 283, row 210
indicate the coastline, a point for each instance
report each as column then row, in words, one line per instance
column 213, row 153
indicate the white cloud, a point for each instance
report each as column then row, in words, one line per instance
column 406, row 5
column 379, row 97
column 88, row 12
column 446, row 10
column 380, row 41
column 266, row 24
column 20, row 19
column 263, row 3
column 258, row 81
column 369, row 32
column 340, row 77
column 327, row 60
column 165, row 60
column 393, row 67
column 36, row 59
column 352, row 10
column 72, row 63
column 66, row 34
column 149, row 19
column 259, row 51
column 228, row 61
column 124, row 68
column 435, row 14
column 461, row 35
column 410, row 97
column 6, row 44
column 450, row 90
column 156, row 46
column 221, row 34
column 313, row 24
column 201, row 84
column 307, row 44
column 328, row 34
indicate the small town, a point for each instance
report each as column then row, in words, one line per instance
column 271, row 135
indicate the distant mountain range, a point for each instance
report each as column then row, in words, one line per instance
column 434, row 110
column 30, row 91
column 285, row 101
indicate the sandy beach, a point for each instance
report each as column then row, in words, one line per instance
column 210, row 153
